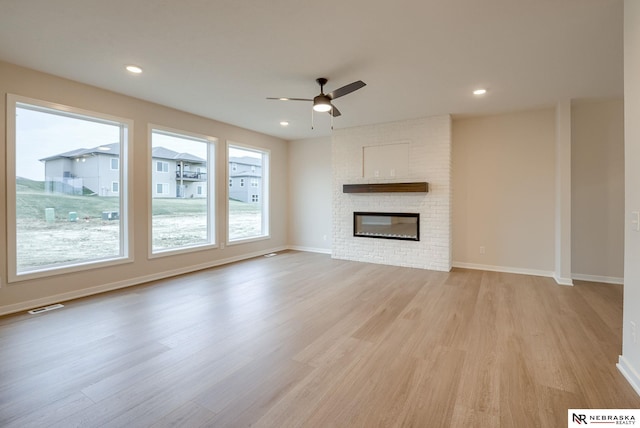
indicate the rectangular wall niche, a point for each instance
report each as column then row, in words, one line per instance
column 402, row 226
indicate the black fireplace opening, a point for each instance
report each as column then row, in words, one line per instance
column 403, row 226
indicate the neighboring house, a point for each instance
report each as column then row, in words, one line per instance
column 97, row 170
column 178, row 175
column 245, row 179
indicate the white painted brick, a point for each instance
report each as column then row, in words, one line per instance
column 430, row 160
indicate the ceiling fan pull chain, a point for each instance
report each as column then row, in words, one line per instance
column 311, row 118
column 331, row 118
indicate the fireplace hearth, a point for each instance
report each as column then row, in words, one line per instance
column 402, row 226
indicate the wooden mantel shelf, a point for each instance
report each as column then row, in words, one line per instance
column 421, row 186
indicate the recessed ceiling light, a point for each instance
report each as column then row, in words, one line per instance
column 479, row 92
column 134, row 69
column 284, row 123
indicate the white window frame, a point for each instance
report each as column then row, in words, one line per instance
column 126, row 233
column 242, row 182
column 115, row 185
column 117, row 168
column 265, row 181
column 212, row 222
column 163, row 187
column 164, row 167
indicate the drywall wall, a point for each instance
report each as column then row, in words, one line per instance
column 33, row 84
column 629, row 362
column 597, row 190
column 504, row 192
column 310, row 195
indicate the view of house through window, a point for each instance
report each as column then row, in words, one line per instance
column 69, row 188
column 181, row 191
column 248, row 206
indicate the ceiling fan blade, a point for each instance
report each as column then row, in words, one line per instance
column 289, row 99
column 334, row 111
column 347, row 89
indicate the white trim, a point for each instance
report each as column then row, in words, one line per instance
column 597, row 278
column 126, row 244
column 629, row 373
column 212, row 214
column 23, row 306
column 491, row 268
column 265, row 180
column 563, row 281
column 310, row 249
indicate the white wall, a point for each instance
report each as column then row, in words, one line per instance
column 597, row 190
column 504, row 192
column 310, row 194
column 629, row 362
column 33, row 84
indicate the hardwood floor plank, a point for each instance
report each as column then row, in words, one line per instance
column 304, row 340
column 188, row 415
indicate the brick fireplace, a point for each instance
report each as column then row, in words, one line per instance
column 408, row 151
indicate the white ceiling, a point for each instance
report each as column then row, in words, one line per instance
column 222, row 58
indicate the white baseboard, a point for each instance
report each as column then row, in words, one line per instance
column 492, row 268
column 310, row 249
column 44, row 301
column 596, row 278
column 562, row 281
column 629, row 373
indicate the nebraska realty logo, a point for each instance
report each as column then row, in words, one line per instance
column 600, row 417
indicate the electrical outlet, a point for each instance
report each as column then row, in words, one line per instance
column 634, row 335
column 482, row 249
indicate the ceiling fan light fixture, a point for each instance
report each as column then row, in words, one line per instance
column 322, row 103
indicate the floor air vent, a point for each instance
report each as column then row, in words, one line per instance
column 46, row 308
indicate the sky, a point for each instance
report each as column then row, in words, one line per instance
column 40, row 134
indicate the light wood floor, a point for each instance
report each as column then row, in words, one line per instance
column 301, row 340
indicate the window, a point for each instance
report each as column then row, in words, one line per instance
column 162, row 166
column 115, row 163
column 230, row 183
column 55, row 179
column 183, row 219
column 234, row 167
column 254, row 182
column 248, row 212
column 162, row 188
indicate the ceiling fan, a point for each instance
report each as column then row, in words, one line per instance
column 322, row 102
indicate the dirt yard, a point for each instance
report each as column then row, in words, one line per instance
column 41, row 244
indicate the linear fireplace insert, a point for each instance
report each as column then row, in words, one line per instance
column 403, row 226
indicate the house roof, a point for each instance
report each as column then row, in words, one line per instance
column 245, row 160
column 164, row 153
column 105, row 149
column 418, row 58
column 114, row 149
